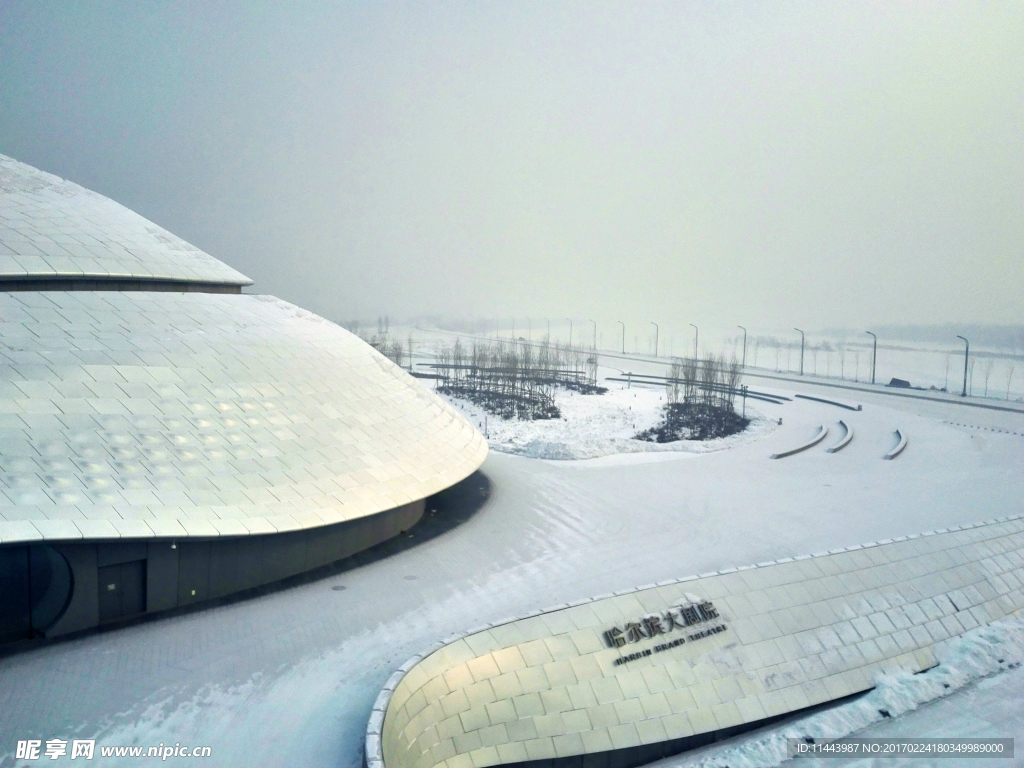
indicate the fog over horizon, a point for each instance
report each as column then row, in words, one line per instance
column 821, row 165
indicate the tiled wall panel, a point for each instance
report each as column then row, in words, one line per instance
column 51, row 227
column 141, row 415
column 797, row 632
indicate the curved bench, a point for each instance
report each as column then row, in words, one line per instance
column 845, row 441
column 814, row 441
column 899, row 446
column 831, row 402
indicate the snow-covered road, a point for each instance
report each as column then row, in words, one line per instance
column 288, row 678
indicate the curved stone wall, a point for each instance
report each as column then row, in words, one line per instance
column 701, row 654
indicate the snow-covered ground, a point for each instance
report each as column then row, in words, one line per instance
column 592, row 426
column 289, row 678
column 988, row 658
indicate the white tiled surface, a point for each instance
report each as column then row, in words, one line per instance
column 52, row 227
column 800, row 632
column 132, row 414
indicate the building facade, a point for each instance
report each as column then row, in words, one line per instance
column 166, row 439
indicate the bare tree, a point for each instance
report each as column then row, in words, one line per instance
column 986, row 371
column 827, row 349
column 689, row 380
column 731, row 382
column 673, row 387
column 396, row 352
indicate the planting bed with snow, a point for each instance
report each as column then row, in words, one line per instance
column 599, row 425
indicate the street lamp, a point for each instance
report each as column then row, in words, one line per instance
column 549, row 327
column 570, row 331
column 595, row 333
column 529, row 325
column 874, row 354
column 513, row 329
column 744, row 363
column 655, row 337
column 696, row 335
column 801, row 351
column 623, row 335
column 967, row 351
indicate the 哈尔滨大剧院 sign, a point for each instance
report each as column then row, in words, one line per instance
column 675, row 618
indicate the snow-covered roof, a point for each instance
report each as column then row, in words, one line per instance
column 53, row 228
column 137, row 414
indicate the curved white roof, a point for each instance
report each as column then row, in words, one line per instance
column 52, row 228
column 133, row 414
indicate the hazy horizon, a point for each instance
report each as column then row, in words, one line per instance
column 776, row 165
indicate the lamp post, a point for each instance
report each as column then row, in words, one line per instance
column 696, row 335
column 874, row 354
column 549, row 326
column 744, row 363
column 623, row 335
column 595, row 333
column 801, row 351
column 570, row 331
column 513, row 329
column 655, row 337
column 967, row 351
column 529, row 325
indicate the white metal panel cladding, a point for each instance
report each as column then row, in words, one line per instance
column 50, row 227
column 776, row 637
column 166, row 414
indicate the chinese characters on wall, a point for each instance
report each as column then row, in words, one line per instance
column 681, row 617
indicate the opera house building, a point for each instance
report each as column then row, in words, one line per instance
column 166, row 439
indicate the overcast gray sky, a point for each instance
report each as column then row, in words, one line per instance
column 775, row 164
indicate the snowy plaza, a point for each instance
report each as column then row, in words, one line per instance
column 511, row 385
column 292, row 675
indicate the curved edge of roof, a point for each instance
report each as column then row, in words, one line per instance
column 52, row 228
column 141, row 529
column 33, row 531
